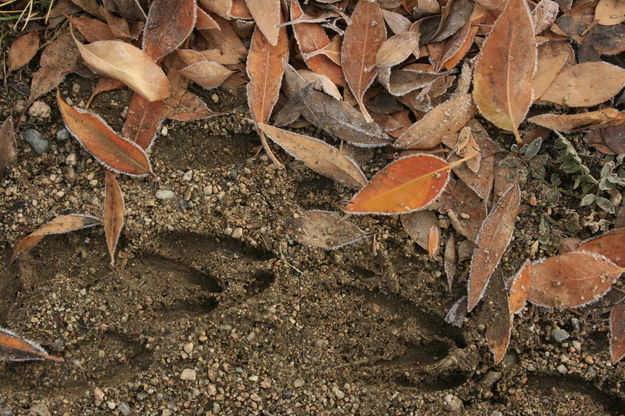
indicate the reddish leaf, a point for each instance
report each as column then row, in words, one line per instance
column 92, row 29
column 310, row 38
column 58, row 59
column 118, row 25
column 113, row 213
column 59, row 225
column 204, row 20
column 317, row 155
column 609, row 245
column 617, row 332
column 265, row 70
column 143, row 120
column 408, row 184
column 111, row 150
column 169, row 23
column 492, row 241
column 363, row 38
column 519, row 288
column 502, row 86
column 16, row 348
column 22, row 50
column 8, row 151
column 219, row 7
column 326, row 230
column 571, row 279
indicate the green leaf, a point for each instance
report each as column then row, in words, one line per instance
column 606, row 205
column 587, row 200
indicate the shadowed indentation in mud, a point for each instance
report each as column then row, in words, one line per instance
column 155, row 264
column 547, row 383
column 193, row 246
column 259, row 283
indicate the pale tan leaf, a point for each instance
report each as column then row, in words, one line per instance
column 610, row 12
column 267, row 15
column 321, row 82
column 418, row 225
column 580, row 121
column 324, row 229
column 396, row 49
column 206, row 73
column 22, row 50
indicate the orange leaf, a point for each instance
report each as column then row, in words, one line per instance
column 169, row 23
column 265, row 70
column 363, row 38
column 617, row 332
column 111, row 150
column 113, row 213
column 492, row 241
column 268, row 16
column 571, row 279
column 143, row 120
column 204, row 20
column 59, row 225
column 519, row 287
column 16, row 348
column 609, row 245
column 434, row 237
column 502, row 86
column 317, row 155
column 408, row 184
column 22, row 50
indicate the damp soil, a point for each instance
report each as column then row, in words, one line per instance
column 210, row 281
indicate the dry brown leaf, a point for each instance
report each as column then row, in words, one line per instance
column 403, row 81
column 363, row 38
column 118, row 26
column 104, row 85
column 317, row 155
column 418, row 225
column 499, row 324
column 519, row 287
column 455, row 15
column 169, row 23
column 143, row 120
column 610, row 12
column 445, row 119
column 397, row 22
column 466, row 210
column 502, row 82
column 451, row 258
column 544, row 14
column 92, row 29
column 8, row 150
column 602, row 40
column 16, row 348
column 609, row 244
column 321, row 83
column 396, row 49
column 324, row 229
column 206, row 73
column 132, row 66
column 204, row 21
column 224, row 39
column 492, row 240
column 617, row 332
column 571, row 279
column 551, row 61
column 466, row 144
column 580, row 121
column 220, row 7
column 22, row 50
column 434, row 238
column 59, row 225
column 586, row 84
column 267, row 15
column 239, row 10
column 113, row 218
column 58, row 59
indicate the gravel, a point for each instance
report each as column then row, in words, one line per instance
column 36, row 141
column 62, row 135
column 559, row 335
column 164, row 194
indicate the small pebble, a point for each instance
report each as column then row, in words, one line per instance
column 237, row 233
column 187, row 176
column 70, row 160
column 562, row 369
column 164, row 131
column 453, row 404
column 39, row 409
column 35, row 141
column 215, row 98
column 188, row 348
column 6, row 411
column 62, row 135
column 559, row 335
column 589, row 360
column 577, row 345
column 496, row 413
column 165, row 194
column 338, row 393
column 39, row 109
column 98, row 395
column 298, row 383
column 188, row 374
column 124, row 409
column 491, row 378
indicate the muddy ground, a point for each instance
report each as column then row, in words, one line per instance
column 210, row 281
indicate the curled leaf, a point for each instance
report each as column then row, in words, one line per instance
column 15, row 348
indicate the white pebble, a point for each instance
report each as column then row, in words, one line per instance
column 188, row 375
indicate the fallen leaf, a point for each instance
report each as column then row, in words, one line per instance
column 396, row 49
column 408, row 184
column 324, row 229
column 90, row 6
column 130, row 9
column 113, row 218
column 132, row 66
column 220, row 7
column 519, row 287
column 397, row 22
column 332, row 50
column 544, row 15
column 168, row 24
column 602, row 40
column 580, row 121
column 22, row 50
column 267, row 15
column 8, row 150
column 321, row 82
column 361, row 42
column 499, row 324
column 92, row 29
column 465, row 145
column 571, row 279
column 551, row 61
column 465, row 209
column 502, row 83
column 239, row 10
column 204, row 20
column 609, row 244
column 617, row 332
column 445, row 119
column 112, row 151
column 457, row 15
column 58, row 59
column 418, row 224
column 610, row 12
column 206, row 73
column 59, row 225
column 493, row 238
column 434, row 237
column 317, row 155
column 458, row 311
column 225, row 39
column 143, row 120
column 403, row 81
column 15, row 348
column 451, row 258
column 118, row 25
column 265, row 69
column 104, row 85
column 586, row 84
